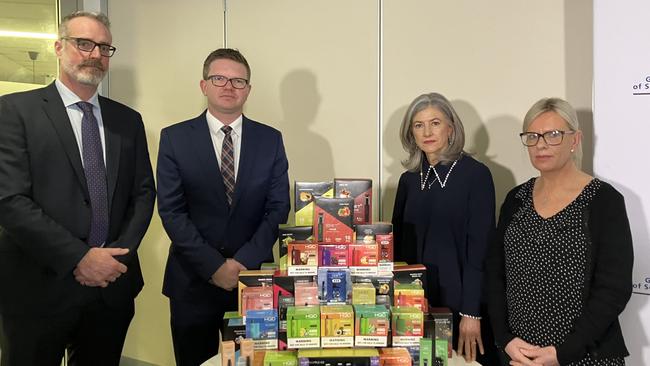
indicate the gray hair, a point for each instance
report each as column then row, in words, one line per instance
column 100, row 17
column 560, row 107
column 456, row 142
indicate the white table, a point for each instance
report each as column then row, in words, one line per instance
column 455, row 361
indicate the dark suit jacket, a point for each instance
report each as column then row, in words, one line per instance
column 193, row 207
column 44, row 204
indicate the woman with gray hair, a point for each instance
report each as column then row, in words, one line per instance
column 560, row 267
column 443, row 218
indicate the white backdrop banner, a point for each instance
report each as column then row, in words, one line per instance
column 622, row 141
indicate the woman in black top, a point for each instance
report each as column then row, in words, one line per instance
column 560, row 269
column 443, row 217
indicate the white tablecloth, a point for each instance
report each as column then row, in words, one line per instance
column 455, row 361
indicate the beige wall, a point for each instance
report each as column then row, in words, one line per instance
column 316, row 76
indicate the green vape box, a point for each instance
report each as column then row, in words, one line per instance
column 304, row 195
column 407, row 326
column 303, row 327
column 426, row 352
column 371, row 325
column 363, row 294
column 280, row 358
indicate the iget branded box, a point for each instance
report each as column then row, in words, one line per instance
column 302, row 259
column 337, row 326
column 303, row 327
column 305, row 193
column 383, row 287
column 371, row 325
column 290, row 234
column 333, row 220
column 396, row 356
column 407, row 326
column 339, row 357
column 410, row 273
column 360, row 190
column 234, row 328
column 333, row 255
column 262, row 328
column 280, row 358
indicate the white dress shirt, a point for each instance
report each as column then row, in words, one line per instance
column 217, row 137
column 76, row 114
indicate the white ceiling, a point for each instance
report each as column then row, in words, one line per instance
column 28, row 16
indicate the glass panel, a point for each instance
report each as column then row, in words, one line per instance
column 28, row 31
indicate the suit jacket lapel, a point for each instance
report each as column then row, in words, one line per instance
column 199, row 137
column 246, row 159
column 58, row 116
column 113, row 142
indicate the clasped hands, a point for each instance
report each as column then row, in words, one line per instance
column 227, row 276
column 98, row 268
column 523, row 353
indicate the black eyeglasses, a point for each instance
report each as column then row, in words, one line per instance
column 553, row 137
column 220, row 80
column 87, row 45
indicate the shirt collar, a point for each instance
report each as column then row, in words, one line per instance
column 215, row 125
column 70, row 98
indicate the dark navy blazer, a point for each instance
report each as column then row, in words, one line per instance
column 192, row 203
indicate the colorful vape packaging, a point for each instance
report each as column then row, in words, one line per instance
column 338, row 356
column 303, row 327
column 442, row 332
column 246, row 352
column 360, row 190
column 233, row 329
column 306, row 294
column 304, row 195
column 411, row 295
column 228, row 353
column 280, row 358
column 363, row 258
column 395, row 356
column 256, row 298
column 414, row 273
column 253, row 278
column 382, row 234
column 383, row 285
column 283, row 304
column 371, row 324
column 407, row 326
column 333, row 255
column 427, row 353
column 302, row 259
column 262, row 328
column 284, row 285
column 334, row 285
column 337, row 326
column 363, row 294
column 289, row 234
column 333, row 220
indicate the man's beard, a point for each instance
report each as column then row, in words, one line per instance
column 89, row 72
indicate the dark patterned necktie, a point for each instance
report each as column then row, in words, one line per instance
column 228, row 163
column 95, row 171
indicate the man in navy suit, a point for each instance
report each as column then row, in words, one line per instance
column 76, row 198
column 223, row 189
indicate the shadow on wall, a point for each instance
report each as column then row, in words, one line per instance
column 477, row 142
column 309, row 153
column 635, row 337
column 586, row 121
column 392, row 148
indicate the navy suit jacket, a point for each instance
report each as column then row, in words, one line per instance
column 192, row 203
column 45, row 211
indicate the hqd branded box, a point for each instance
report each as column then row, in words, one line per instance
column 363, row 258
column 410, row 273
column 383, row 287
column 371, row 325
column 396, row 356
column 333, row 255
column 257, row 298
column 280, row 358
column 363, row 294
column 334, row 285
column 407, row 326
column 304, row 194
column 303, row 327
column 410, row 294
column 302, row 259
column 382, row 234
column 360, row 190
column 290, row 234
column 262, row 328
column 333, row 220
column 337, row 326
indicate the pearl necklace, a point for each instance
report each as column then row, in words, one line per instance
column 423, row 182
